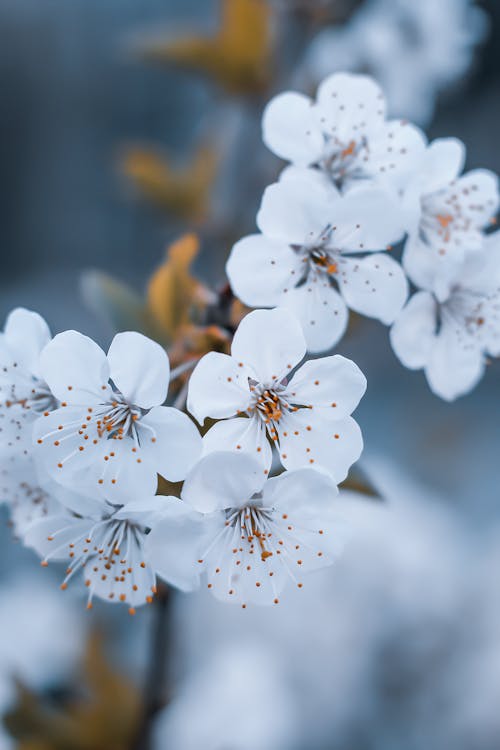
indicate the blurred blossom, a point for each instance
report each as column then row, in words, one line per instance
column 41, row 635
column 414, row 49
column 236, row 699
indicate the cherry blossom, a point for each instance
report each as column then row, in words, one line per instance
column 445, row 215
column 259, row 398
column 315, row 256
column 22, row 386
column 451, row 339
column 344, row 133
column 110, row 431
column 105, row 541
column 256, row 533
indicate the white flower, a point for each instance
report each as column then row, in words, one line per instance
column 344, row 133
column 413, row 49
column 256, row 533
column 22, row 386
column 450, row 340
column 306, row 416
column 106, row 542
column 110, row 430
column 24, row 487
column 312, row 256
column 445, row 214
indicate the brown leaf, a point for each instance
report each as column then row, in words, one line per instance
column 358, row 482
column 104, row 714
column 183, row 191
column 174, row 296
column 237, row 56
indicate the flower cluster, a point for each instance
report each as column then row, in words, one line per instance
column 357, row 184
column 255, row 444
column 85, row 436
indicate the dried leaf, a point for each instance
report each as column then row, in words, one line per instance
column 183, row 191
column 174, row 296
column 358, row 482
column 105, row 713
column 237, row 56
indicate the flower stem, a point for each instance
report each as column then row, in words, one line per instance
column 155, row 689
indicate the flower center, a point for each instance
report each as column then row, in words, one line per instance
column 473, row 314
column 269, row 406
column 317, row 256
column 342, row 159
column 252, row 522
column 118, row 420
column 36, row 397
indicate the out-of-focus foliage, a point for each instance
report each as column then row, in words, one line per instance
column 237, row 56
column 183, row 191
column 104, row 714
column 179, row 311
column 174, row 296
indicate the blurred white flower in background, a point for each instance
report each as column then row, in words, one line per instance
column 236, row 699
column 414, row 49
column 42, row 636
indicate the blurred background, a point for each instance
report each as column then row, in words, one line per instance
column 122, row 129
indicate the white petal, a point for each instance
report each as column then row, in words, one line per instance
column 455, row 366
column 333, row 386
column 310, row 492
column 478, row 196
column 289, row 129
column 414, row 330
column 443, row 162
column 26, row 333
column 62, row 445
column 364, row 219
column 321, row 311
column 218, row 388
column 75, row 368
column 429, row 269
column 349, row 105
column 311, row 441
column 259, row 269
column 174, row 545
column 139, row 368
column 145, row 511
column 50, row 537
column 310, row 175
column 294, row 210
column 395, row 152
column 177, row 442
column 223, row 480
column 269, row 342
column 240, row 435
column 375, row 286
column 120, row 470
